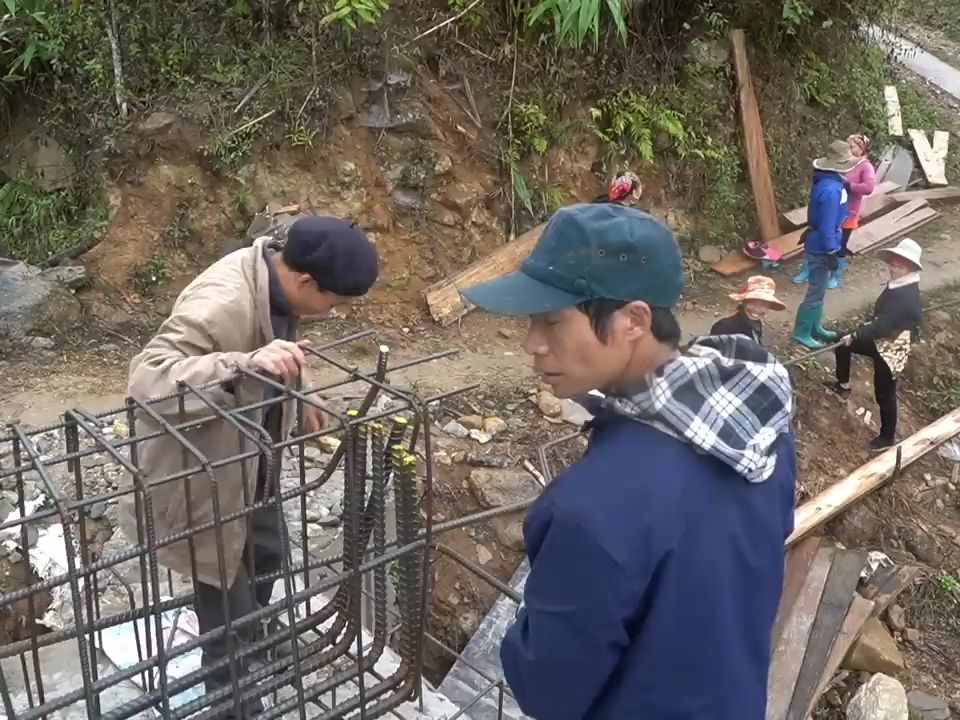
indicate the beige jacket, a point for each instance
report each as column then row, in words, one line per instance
column 216, row 325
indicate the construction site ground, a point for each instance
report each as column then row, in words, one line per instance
column 916, row 520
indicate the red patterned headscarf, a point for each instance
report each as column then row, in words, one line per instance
column 622, row 186
column 860, row 141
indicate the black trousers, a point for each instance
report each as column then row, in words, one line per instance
column 884, row 383
column 261, row 555
column 844, row 241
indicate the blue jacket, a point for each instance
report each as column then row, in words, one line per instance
column 656, row 573
column 826, row 212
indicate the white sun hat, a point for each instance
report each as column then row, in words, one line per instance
column 908, row 250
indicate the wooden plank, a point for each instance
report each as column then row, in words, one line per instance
column 872, row 204
column 933, row 158
column 838, row 593
column 736, row 262
column 945, row 196
column 877, row 230
column 857, row 615
column 894, row 117
column 754, row 146
column 887, row 584
column 789, row 652
column 444, row 301
column 868, row 477
column 905, row 227
column 796, row 566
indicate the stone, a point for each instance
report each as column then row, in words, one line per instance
column 32, row 534
column 33, row 302
column 38, row 160
column 874, row 651
column 509, row 530
column 480, row 436
column 922, row 545
column 472, row 422
column 710, row 254
column 407, row 200
column 881, row 698
column 942, row 337
column 71, row 277
column 97, row 510
column 897, row 618
column 912, row 636
column 328, row 444
column 442, row 459
column 927, row 707
column 493, row 487
column 549, row 404
column 711, row 53
column 574, row 413
column 459, row 456
column 483, row 555
column 347, row 174
column 6, row 508
column 505, row 333
column 456, row 429
column 494, row 426
column 158, row 122
column 443, row 165
column 408, row 117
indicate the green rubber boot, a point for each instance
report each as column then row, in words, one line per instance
column 803, row 327
column 819, row 331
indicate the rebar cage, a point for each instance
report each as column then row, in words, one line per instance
column 343, row 632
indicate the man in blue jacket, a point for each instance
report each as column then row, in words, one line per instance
column 657, row 559
column 826, row 212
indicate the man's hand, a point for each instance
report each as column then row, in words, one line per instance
column 281, row 358
column 314, row 419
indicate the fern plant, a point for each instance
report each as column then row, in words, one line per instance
column 350, row 13
column 631, row 121
column 575, row 20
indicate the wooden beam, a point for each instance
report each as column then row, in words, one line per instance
column 796, row 566
column 944, row 196
column 879, row 230
column 933, row 158
column 867, row 478
column 444, row 301
column 904, row 227
column 894, row 118
column 872, row 204
column 886, row 585
column 788, row 655
column 754, row 145
column 838, row 593
column 857, row 615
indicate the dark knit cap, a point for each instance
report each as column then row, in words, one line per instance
column 335, row 253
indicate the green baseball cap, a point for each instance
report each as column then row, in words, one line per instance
column 589, row 252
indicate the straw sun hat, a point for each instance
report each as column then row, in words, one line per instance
column 760, row 288
column 907, row 249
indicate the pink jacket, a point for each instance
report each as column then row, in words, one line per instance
column 861, row 180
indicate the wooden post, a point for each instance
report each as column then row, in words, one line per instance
column 894, row 118
column 754, row 145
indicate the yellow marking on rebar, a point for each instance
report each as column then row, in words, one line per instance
column 353, row 413
column 401, row 420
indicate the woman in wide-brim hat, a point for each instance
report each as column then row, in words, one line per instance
column 823, row 239
column 754, row 301
column 887, row 338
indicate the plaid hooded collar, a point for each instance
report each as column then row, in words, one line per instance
column 726, row 395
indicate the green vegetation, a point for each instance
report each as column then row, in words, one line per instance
column 942, row 15
column 36, row 226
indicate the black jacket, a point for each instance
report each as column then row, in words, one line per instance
column 739, row 324
column 896, row 310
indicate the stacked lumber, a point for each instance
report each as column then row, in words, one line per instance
column 820, row 616
column 821, row 610
column 873, row 204
column 902, row 221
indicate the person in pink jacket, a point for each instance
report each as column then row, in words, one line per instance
column 860, row 181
